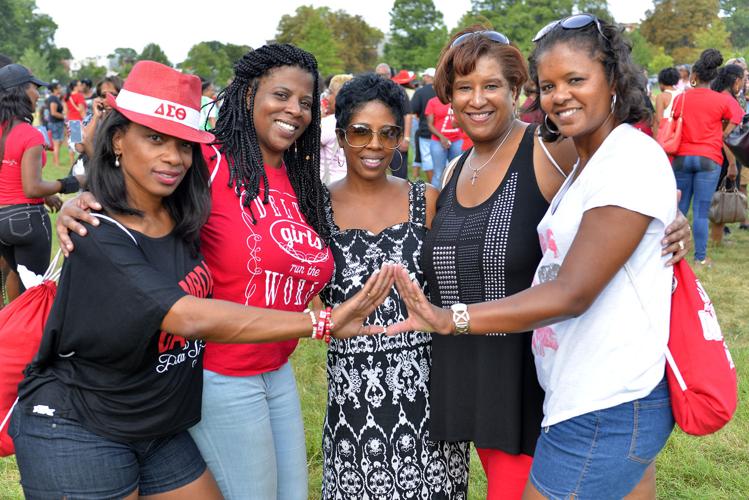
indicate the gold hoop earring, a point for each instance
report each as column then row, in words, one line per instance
column 400, row 162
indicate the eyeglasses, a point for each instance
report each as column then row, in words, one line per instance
column 494, row 36
column 358, row 135
column 575, row 22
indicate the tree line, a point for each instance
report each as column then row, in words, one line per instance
column 673, row 32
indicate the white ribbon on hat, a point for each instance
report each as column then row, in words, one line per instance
column 158, row 108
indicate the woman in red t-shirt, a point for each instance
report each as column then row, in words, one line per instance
column 75, row 102
column 447, row 138
column 708, row 117
column 25, row 236
column 730, row 81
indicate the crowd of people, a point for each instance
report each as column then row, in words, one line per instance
column 217, row 228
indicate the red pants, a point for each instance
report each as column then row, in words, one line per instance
column 506, row 474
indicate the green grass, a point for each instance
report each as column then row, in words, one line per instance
column 712, row 467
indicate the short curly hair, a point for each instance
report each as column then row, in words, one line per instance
column 668, row 76
column 612, row 49
column 461, row 61
column 366, row 88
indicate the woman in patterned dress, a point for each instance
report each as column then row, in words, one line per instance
column 376, row 442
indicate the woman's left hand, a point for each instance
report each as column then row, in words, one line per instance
column 423, row 316
column 349, row 316
column 678, row 238
column 54, row 202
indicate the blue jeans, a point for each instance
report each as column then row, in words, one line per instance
column 602, row 454
column 59, row 458
column 252, row 435
column 440, row 157
column 697, row 177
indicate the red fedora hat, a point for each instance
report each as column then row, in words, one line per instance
column 164, row 99
column 403, row 77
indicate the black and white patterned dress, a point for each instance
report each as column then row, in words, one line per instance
column 376, row 439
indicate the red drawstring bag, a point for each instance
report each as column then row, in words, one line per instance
column 701, row 373
column 21, row 327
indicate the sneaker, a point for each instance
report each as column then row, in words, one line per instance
column 703, row 264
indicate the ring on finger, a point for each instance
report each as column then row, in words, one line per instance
column 681, row 244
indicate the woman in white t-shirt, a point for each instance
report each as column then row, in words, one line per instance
column 601, row 296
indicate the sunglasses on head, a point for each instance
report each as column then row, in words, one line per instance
column 494, row 36
column 575, row 22
column 358, row 135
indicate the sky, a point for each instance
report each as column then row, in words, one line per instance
column 176, row 25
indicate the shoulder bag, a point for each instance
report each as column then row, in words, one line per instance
column 727, row 206
column 669, row 132
column 738, row 142
column 701, row 374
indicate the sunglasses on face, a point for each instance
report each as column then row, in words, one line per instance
column 575, row 22
column 494, row 36
column 357, row 135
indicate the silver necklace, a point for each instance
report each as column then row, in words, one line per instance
column 476, row 171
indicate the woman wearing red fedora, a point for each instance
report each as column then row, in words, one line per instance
column 106, row 405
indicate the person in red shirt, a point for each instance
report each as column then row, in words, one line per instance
column 730, row 81
column 25, row 234
column 447, row 138
column 708, row 118
column 75, row 102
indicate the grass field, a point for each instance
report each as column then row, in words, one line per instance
column 713, row 467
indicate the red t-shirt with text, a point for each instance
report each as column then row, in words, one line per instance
column 278, row 263
column 20, row 139
column 443, row 120
column 702, row 125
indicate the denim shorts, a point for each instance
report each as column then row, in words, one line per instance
column 602, row 454
column 57, row 129
column 58, row 458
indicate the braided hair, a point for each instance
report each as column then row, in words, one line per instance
column 237, row 138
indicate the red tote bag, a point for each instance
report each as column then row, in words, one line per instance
column 669, row 132
column 700, row 372
column 21, row 327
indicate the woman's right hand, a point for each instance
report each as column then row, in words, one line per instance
column 73, row 212
column 445, row 142
column 349, row 316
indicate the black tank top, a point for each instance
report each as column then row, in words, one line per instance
column 484, row 388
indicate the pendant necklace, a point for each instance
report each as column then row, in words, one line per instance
column 476, row 171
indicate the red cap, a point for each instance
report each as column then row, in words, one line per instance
column 403, row 77
column 164, row 99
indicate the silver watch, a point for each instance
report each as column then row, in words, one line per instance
column 461, row 318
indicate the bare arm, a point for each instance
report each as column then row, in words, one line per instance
column 403, row 148
column 31, row 175
column 57, row 113
column 660, row 105
column 433, row 129
column 227, row 322
column 596, row 255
